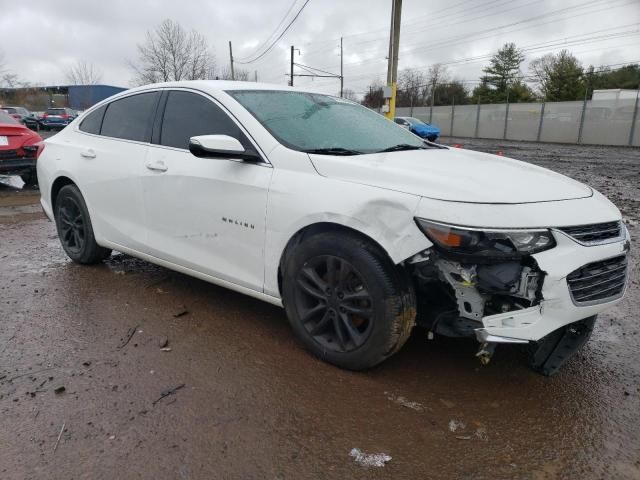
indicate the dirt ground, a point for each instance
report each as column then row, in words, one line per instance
column 128, row 370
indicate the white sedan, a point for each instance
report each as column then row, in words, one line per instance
column 357, row 227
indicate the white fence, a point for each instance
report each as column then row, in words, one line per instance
column 595, row 122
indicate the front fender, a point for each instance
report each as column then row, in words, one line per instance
column 383, row 215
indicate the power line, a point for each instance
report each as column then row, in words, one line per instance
column 456, row 40
column 279, row 37
column 272, row 33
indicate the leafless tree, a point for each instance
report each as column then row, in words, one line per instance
column 7, row 79
column 411, row 83
column 349, row 95
column 437, row 73
column 238, row 73
column 170, row 53
column 83, row 73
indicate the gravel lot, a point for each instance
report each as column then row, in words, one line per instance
column 128, row 370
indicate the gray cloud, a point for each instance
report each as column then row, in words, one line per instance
column 106, row 33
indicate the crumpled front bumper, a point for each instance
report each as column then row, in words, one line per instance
column 557, row 309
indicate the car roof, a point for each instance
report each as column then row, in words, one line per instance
column 222, row 85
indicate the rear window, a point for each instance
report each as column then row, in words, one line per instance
column 131, row 118
column 6, row 118
column 56, row 111
column 93, row 121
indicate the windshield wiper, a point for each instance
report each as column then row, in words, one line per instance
column 333, row 151
column 402, row 146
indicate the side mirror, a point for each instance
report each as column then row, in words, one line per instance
column 221, row 146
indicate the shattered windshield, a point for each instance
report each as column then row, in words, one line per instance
column 322, row 123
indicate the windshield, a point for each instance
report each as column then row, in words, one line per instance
column 415, row 121
column 314, row 122
column 10, row 110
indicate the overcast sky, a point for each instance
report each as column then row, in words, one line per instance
column 42, row 37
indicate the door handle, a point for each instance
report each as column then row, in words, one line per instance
column 88, row 153
column 158, row 166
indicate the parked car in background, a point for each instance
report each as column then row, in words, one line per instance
column 420, row 128
column 19, row 149
column 354, row 225
column 24, row 116
column 58, row 117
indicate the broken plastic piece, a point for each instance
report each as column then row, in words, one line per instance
column 369, row 459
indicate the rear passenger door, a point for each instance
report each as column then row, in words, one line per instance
column 205, row 214
column 111, row 158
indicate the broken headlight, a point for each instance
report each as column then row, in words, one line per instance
column 487, row 243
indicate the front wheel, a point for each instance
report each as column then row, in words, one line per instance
column 74, row 227
column 346, row 301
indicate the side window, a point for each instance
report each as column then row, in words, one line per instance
column 131, row 118
column 187, row 115
column 93, row 121
column 399, row 121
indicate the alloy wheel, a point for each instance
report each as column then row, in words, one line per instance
column 334, row 304
column 72, row 226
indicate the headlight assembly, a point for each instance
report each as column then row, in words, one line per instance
column 486, row 243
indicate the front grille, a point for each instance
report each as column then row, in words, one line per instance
column 595, row 233
column 599, row 282
column 8, row 154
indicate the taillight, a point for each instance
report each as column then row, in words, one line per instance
column 45, row 115
column 16, row 116
column 65, row 115
column 34, row 150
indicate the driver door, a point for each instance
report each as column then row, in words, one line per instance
column 204, row 214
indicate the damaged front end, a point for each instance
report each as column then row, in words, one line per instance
column 470, row 274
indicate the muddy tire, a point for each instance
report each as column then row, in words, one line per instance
column 550, row 353
column 74, row 227
column 346, row 301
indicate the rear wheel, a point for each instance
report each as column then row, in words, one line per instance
column 74, row 227
column 347, row 302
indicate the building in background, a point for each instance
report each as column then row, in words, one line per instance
column 77, row 97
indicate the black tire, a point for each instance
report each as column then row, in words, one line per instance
column 74, row 227
column 369, row 305
column 432, row 138
column 550, row 353
column 30, row 178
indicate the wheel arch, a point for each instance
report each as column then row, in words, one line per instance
column 322, row 227
column 57, row 185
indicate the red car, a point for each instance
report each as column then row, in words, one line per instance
column 19, row 149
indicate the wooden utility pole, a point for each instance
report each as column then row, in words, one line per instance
column 394, row 44
column 341, row 71
column 233, row 76
column 291, row 82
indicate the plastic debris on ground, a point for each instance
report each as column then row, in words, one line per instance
column 402, row 401
column 369, row 459
column 455, row 425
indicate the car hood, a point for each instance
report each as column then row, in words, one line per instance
column 454, row 175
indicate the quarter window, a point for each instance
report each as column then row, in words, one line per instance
column 131, row 118
column 187, row 115
column 93, row 121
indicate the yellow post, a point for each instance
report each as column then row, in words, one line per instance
column 392, row 103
